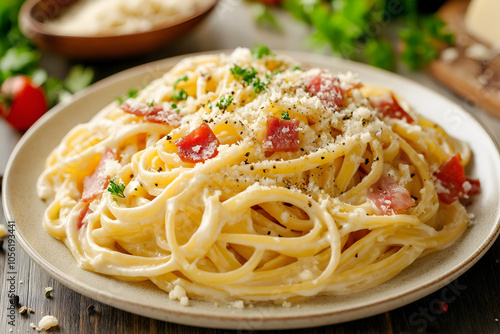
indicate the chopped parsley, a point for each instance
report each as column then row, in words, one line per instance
column 224, row 102
column 259, row 51
column 131, row 94
column 297, row 68
column 244, row 73
column 151, row 104
column 180, row 95
column 249, row 77
column 116, row 189
column 183, row 78
column 285, row 115
column 175, row 108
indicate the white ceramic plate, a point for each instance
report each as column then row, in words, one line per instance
column 422, row 278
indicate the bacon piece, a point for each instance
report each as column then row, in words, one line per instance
column 93, row 185
column 389, row 197
column 475, row 186
column 155, row 114
column 198, row 145
column 451, row 182
column 327, row 89
column 387, row 106
column 81, row 216
column 281, row 135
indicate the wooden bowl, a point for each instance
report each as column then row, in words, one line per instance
column 34, row 14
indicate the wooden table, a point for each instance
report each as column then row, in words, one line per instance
column 472, row 301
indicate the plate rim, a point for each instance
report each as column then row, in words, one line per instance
column 319, row 319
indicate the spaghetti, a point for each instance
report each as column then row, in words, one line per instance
column 235, row 177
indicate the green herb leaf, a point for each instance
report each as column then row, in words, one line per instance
column 19, row 60
column 131, row 94
column 224, row 102
column 354, row 29
column 116, row 189
column 180, row 95
column 249, row 77
column 260, row 50
column 418, row 51
column 285, row 115
column 78, row 78
column 380, row 53
column 183, row 78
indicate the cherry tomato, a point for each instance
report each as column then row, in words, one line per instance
column 22, row 102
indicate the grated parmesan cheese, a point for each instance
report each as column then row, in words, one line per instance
column 117, row 17
column 179, row 293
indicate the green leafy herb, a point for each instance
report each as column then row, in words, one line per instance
column 224, row 102
column 243, row 73
column 260, row 50
column 285, row 115
column 174, row 106
column 297, row 68
column 116, row 189
column 78, row 78
column 151, row 104
column 355, row 29
column 131, row 94
column 249, row 77
column 421, row 39
column 181, row 79
column 180, row 95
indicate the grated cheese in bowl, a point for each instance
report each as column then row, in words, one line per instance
column 118, row 17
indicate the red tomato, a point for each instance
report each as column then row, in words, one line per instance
column 22, row 102
column 451, row 180
column 327, row 89
column 281, row 135
column 198, row 145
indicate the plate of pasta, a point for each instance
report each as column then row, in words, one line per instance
column 255, row 190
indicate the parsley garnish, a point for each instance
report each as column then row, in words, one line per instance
column 355, row 29
column 132, row 94
column 285, row 115
column 116, row 189
column 249, row 77
column 297, row 68
column 180, row 95
column 243, row 73
column 151, row 104
column 174, row 106
column 260, row 51
column 183, row 78
column 224, row 102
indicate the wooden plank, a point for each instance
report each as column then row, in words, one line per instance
column 476, row 81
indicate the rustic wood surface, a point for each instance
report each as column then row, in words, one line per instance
column 472, row 302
